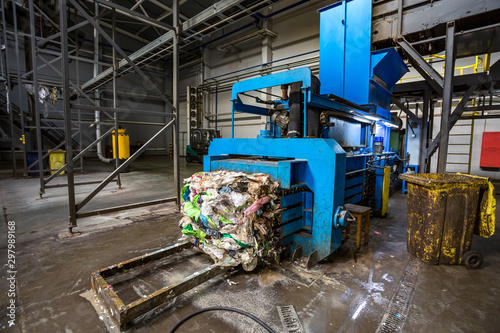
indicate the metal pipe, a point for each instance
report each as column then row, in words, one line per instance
column 457, row 34
column 125, row 57
column 355, row 171
column 261, row 65
column 97, row 92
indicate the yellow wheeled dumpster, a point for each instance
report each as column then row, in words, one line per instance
column 444, row 211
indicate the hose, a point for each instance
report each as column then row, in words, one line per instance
column 183, row 320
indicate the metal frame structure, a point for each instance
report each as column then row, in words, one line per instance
column 121, row 313
column 468, row 88
column 190, row 31
column 168, row 44
column 437, row 87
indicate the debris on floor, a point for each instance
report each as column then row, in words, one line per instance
column 230, row 216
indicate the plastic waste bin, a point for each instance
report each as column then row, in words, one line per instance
column 57, row 159
column 442, row 211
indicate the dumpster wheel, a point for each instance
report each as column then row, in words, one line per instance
column 472, row 259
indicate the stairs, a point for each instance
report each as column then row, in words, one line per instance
column 55, row 134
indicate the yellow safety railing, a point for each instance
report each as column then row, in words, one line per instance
column 479, row 61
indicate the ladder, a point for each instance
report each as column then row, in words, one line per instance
column 460, row 147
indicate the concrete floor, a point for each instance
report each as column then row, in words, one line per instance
column 348, row 292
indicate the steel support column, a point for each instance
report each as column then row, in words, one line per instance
column 35, row 97
column 424, row 134
column 430, row 132
column 18, row 73
column 8, row 87
column 175, row 94
column 67, row 113
column 449, row 71
column 115, row 104
column 455, row 116
column 400, row 18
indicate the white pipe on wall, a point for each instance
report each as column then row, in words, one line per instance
column 97, row 93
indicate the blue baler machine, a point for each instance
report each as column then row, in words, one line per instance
column 328, row 143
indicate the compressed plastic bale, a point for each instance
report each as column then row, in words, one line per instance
column 191, row 210
column 239, row 199
column 222, row 198
column 257, row 205
column 207, row 208
column 189, row 230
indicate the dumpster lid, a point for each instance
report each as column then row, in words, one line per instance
column 437, row 179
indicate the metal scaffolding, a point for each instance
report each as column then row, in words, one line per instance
column 77, row 97
column 181, row 36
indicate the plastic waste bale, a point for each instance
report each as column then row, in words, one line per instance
column 230, row 216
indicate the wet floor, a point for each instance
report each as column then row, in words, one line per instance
column 348, row 292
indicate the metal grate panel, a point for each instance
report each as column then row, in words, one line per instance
column 397, row 311
column 289, row 319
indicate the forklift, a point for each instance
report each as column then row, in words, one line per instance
column 200, row 141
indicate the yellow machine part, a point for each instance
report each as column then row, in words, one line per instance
column 57, row 159
column 385, row 190
column 123, row 144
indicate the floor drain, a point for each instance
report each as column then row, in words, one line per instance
column 289, row 319
column 397, row 311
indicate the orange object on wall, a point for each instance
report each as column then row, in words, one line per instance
column 490, row 150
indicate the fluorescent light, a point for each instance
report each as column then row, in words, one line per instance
column 386, row 123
